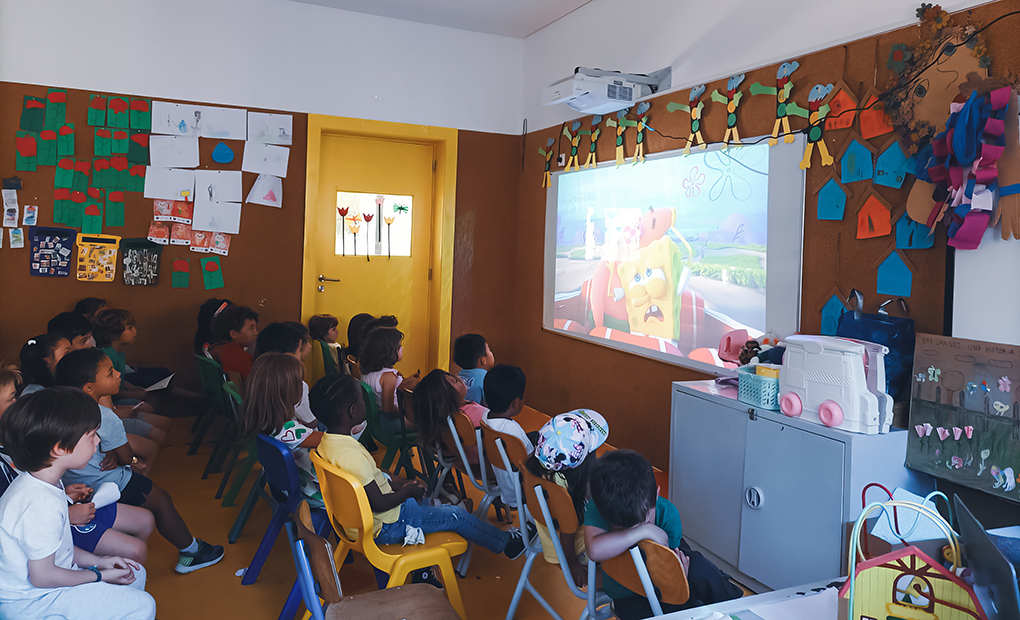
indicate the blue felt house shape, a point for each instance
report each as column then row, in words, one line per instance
column 912, row 236
column 856, row 162
column 891, row 166
column 831, row 201
column 895, row 274
column 831, row 311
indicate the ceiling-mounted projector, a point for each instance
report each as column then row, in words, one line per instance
column 594, row 91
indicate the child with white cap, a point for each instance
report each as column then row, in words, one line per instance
column 561, row 455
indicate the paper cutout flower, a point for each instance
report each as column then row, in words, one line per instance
column 920, row 430
column 355, row 218
column 343, row 211
column 985, row 61
column 922, row 10
column 970, row 431
column 898, row 57
column 943, row 433
column 1004, row 384
column 368, row 217
column 933, row 373
column 940, row 19
column 389, row 220
column 927, row 429
column 957, row 433
column 401, row 209
column 353, row 226
column 693, row 182
column 957, row 462
column 971, row 387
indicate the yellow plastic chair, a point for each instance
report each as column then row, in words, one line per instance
column 349, row 510
column 646, row 567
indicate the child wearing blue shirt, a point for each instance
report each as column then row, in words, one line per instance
column 475, row 358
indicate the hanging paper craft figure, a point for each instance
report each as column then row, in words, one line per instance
column 781, row 92
column 642, row 125
column 621, row 123
column 595, row 132
column 575, row 139
column 547, row 177
column 694, row 109
column 816, row 128
column 732, row 101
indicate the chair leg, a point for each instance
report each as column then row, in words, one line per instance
column 203, row 427
column 232, row 453
column 391, row 453
column 268, row 540
column 293, row 602
column 211, row 464
column 242, row 476
column 249, row 505
column 452, row 587
column 465, row 559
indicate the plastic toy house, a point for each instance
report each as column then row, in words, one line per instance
column 831, row 201
column 891, row 166
column 895, row 275
column 912, row 236
column 825, row 380
column 908, row 585
column 855, row 161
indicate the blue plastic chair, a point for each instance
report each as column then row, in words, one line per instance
column 281, row 473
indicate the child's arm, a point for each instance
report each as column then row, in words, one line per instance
column 388, row 383
column 312, row 440
column 580, row 573
column 602, row 544
column 381, row 502
column 45, row 573
column 122, row 455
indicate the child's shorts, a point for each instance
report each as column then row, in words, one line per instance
column 136, row 427
column 87, row 536
column 136, row 491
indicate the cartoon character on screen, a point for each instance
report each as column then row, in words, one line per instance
column 652, row 289
column 732, row 101
column 815, row 114
column 694, row 108
column 548, row 154
column 621, row 123
column 595, row 132
column 781, row 91
column 575, row 139
column 642, row 125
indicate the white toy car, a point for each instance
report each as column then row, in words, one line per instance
column 836, row 382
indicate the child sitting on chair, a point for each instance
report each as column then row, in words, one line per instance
column 626, row 508
column 564, row 454
column 504, row 391
column 380, row 352
column 235, row 330
column 474, row 357
column 323, row 329
column 338, row 403
column 437, row 397
column 290, row 338
column 75, row 327
column 42, row 574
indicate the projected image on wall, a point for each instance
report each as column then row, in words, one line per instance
column 667, row 255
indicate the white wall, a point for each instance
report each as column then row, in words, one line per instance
column 702, row 40
column 267, row 53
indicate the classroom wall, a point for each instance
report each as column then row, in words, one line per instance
column 263, row 269
column 270, row 53
column 701, row 41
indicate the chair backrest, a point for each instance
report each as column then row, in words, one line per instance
column 372, row 414
column 235, row 377
column 280, row 469
column 233, row 399
column 557, row 498
column 346, row 503
column 514, row 447
column 355, row 367
column 405, row 404
column 210, row 373
column 660, row 563
column 320, row 555
column 465, row 429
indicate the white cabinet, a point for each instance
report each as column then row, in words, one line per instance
column 770, row 496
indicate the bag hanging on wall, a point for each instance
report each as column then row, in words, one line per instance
column 897, row 333
column 51, row 251
column 140, row 259
column 97, row 257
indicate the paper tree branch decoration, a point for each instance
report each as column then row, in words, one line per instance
column 594, row 132
column 694, row 108
column 621, row 123
column 642, row 125
column 343, row 237
column 547, row 177
column 815, row 114
column 732, row 101
column 575, row 139
column 781, row 92
column 368, row 218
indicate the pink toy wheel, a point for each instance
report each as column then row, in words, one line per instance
column 790, row 404
column 830, row 413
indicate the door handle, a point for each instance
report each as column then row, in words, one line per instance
column 323, row 278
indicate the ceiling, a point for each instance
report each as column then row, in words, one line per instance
column 516, row 18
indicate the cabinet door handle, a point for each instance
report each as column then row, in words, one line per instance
column 754, row 497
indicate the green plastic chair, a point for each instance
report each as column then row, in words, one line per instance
column 234, row 451
column 398, row 445
column 210, row 373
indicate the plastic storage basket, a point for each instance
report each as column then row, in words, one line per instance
column 756, row 390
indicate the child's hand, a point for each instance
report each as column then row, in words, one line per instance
column 579, row 573
column 77, row 491
column 417, row 490
column 109, row 461
column 115, row 561
column 684, row 560
column 81, row 514
column 118, row 576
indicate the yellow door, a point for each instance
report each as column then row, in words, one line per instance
column 376, row 284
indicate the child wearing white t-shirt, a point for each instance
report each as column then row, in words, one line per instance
column 42, row 574
column 504, row 392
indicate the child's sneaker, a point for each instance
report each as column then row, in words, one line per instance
column 515, row 546
column 207, row 555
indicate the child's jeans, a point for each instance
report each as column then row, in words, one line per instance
column 443, row 519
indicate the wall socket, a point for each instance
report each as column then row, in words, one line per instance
column 562, row 159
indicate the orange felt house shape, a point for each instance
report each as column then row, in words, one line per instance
column 908, row 585
column 875, row 218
